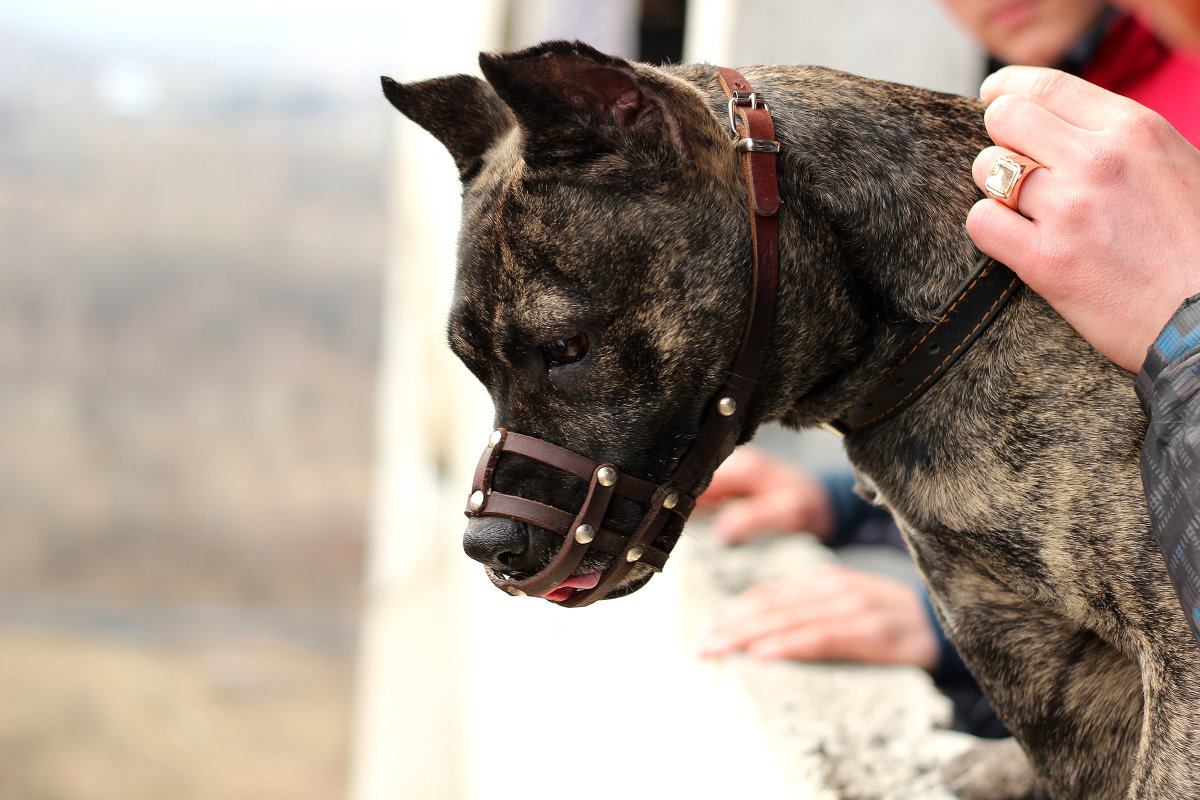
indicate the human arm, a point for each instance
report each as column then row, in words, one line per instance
column 1169, row 388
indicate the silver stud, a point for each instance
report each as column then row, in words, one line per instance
column 606, row 476
column 476, row 500
column 515, row 592
column 671, row 500
column 495, row 438
column 635, row 553
column 585, row 533
column 726, row 406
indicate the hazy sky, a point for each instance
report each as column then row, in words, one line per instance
column 329, row 39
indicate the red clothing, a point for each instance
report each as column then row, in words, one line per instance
column 1133, row 62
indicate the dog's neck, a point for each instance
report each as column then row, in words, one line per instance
column 876, row 185
column 875, row 182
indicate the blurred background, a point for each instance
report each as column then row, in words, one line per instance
column 191, row 233
column 228, row 530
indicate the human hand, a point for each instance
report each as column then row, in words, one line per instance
column 837, row 614
column 1109, row 232
column 760, row 495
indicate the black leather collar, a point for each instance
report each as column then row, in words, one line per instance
column 932, row 351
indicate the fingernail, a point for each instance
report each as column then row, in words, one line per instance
column 989, row 82
column 714, row 646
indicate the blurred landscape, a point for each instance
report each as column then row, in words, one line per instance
column 190, row 280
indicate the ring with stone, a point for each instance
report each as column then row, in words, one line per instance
column 1004, row 181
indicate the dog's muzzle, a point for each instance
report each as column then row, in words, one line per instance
column 583, row 531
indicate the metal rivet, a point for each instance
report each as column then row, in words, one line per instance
column 495, row 438
column 671, row 500
column 606, row 476
column 726, row 406
column 476, row 501
column 515, row 592
column 635, row 553
column 585, row 533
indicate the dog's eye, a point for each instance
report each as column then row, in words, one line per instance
column 566, row 351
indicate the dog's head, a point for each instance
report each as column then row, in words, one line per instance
column 602, row 274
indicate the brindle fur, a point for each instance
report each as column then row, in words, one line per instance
column 605, row 197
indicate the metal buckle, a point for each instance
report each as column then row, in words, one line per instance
column 757, row 146
column 743, row 99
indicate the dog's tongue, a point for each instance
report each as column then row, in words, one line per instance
column 571, row 584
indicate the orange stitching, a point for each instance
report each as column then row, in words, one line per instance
column 949, row 356
column 929, row 332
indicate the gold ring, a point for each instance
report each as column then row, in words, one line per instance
column 1004, row 181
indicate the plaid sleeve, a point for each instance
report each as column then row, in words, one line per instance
column 1169, row 389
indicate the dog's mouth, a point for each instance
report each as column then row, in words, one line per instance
column 576, row 583
column 580, row 583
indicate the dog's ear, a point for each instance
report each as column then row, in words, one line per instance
column 570, row 98
column 461, row 111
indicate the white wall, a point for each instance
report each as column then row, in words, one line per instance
column 408, row 733
column 907, row 41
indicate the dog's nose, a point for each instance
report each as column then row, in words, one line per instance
column 502, row 544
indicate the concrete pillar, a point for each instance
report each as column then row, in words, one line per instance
column 407, row 733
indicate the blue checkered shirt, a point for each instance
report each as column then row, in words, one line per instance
column 1169, row 388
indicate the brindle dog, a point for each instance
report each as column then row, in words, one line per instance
column 602, row 288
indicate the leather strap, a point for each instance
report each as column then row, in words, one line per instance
column 716, row 437
column 932, row 351
column 486, row 501
column 754, row 124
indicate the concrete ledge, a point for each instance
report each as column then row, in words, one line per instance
column 611, row 700
column 838, row 730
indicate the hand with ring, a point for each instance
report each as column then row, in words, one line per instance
column 1109, row 232
column 1004, row 180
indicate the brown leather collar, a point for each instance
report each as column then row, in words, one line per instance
column 583, row 531
column 933, row 350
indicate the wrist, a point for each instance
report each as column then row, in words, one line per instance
column 1177, row 338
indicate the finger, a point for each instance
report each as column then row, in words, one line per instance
column 766, row 610
column 739, row 475
column 1068, row 97
column 1031, row 194
column 1023, row 126
column 1004, row 235
column 867, row 639
column 756, row 517
column 738, row 633
column 787, row 602
column 724, row 485
column 827, row 640
column 757, row 603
